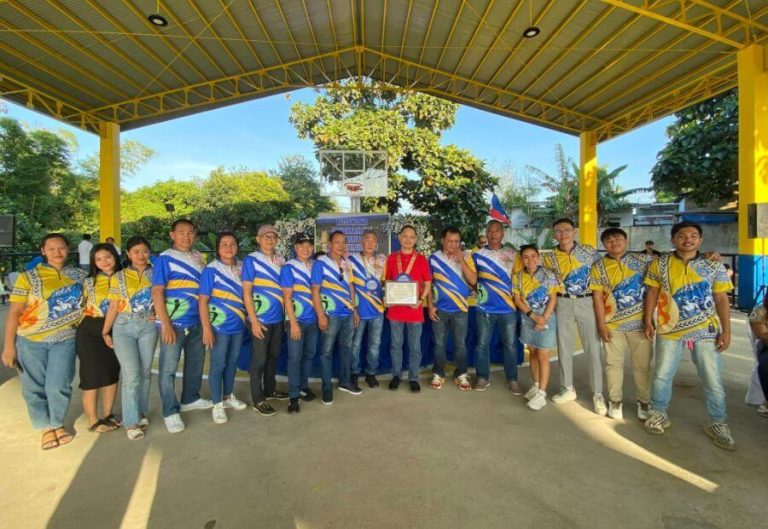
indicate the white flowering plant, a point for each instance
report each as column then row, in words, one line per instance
column 286, row 229
column 425, row 242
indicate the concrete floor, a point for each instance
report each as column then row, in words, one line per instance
column 439, row 459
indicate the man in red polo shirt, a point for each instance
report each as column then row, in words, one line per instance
column 407, row 265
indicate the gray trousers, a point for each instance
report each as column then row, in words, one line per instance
column 572, row 314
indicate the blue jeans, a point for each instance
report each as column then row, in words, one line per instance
column 191, row 340
column 709, row 364
column 343, row 328
column 507, row 324
column 397, row 329
column 135, row 339
column 457, row 323
column 374, row 327
column 46, row 379
column 223, row 366
column 301, row 352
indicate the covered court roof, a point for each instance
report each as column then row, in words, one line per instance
column 597, row 65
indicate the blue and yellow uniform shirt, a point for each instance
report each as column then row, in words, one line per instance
column 536, row 289
column 494, row 279
column 367, row 275
column 686, row 306
column 179, row 273
column 298, row 276
column 621, row 282
column 334, row 281
column 222, row 284
column 96, row 290
column 54, row 302
column 572, row 268
column 263, row 272
column 132, row 290
column 450, row 291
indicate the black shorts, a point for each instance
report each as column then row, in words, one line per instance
column 98, row 364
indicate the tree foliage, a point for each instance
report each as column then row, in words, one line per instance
column 300, row 180
column 700, row 160
column 444, row 181
column 564, row 186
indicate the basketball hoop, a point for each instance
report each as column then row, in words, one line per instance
column 353, row 173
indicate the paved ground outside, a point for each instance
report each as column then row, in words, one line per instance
column 439, row 459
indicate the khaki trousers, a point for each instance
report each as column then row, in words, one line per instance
column 640, row 352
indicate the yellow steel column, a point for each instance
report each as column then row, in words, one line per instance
column 109, row 181
column 588, row 188
column 753, row 165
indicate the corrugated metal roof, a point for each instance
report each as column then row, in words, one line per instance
column 604, row 65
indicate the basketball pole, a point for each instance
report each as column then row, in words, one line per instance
column 354, row 204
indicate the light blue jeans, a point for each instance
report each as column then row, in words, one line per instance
column 343, row 328
column 301, row 352
column 709, row 364
column 191, row 341
column 221, row 372
column 135, row 339
column 374, row 326
column 46, row 379
column 507, row 324
column 397, row 329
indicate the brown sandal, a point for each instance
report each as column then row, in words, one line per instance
column 64, row 438
column 102, row 426
column 50, row 440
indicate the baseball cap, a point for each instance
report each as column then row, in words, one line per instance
column 301, row 237
column 266, row 228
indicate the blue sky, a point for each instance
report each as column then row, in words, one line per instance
column 257, row 134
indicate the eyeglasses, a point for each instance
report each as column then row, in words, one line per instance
column 269, row 237
column 562, row 232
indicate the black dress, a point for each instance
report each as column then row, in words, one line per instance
column 98, row 364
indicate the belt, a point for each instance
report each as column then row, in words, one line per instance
column 135, row 315
column 575, row 296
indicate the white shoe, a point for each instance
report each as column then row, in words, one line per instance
column 599, row 402
column 199, row 404
column 531, row 391
column 538, row 401
column 234, row 403
column 174, row 424
column 566, row 395
column 218, row 413
column 615, row 411
column 643, row 408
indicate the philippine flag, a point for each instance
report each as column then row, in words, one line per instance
column 497, row 211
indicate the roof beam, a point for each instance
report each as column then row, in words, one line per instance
column 688, row 23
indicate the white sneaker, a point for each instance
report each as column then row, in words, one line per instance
column 199, row 404
column 531, row 391
column 599, row 402
column 538, row 401
column 174, row 424
column 566, row 395
column 615, row 411
column 234, row 403
column 643, row 408
column 218, row 413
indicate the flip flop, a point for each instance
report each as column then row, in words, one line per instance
column 113, row 420
column 135, row 434
column 51, row 442
column 66, row 438
column 102, row 426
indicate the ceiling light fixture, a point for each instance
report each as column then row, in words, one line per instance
column 158, row 20
column 532, row 30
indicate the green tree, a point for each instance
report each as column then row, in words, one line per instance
column 701, row 158
column 300, row 181
column 133, row 156
column 149, row 201
column 564, row 186
column 443, row 181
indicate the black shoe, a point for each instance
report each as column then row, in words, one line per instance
column 307, row 395
column 293, row 406
column 352, row 388
column 264, row 409
column 415, row 387
column 371, row 381
column 394, row 383
column 278, row 395
column 328, row 397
